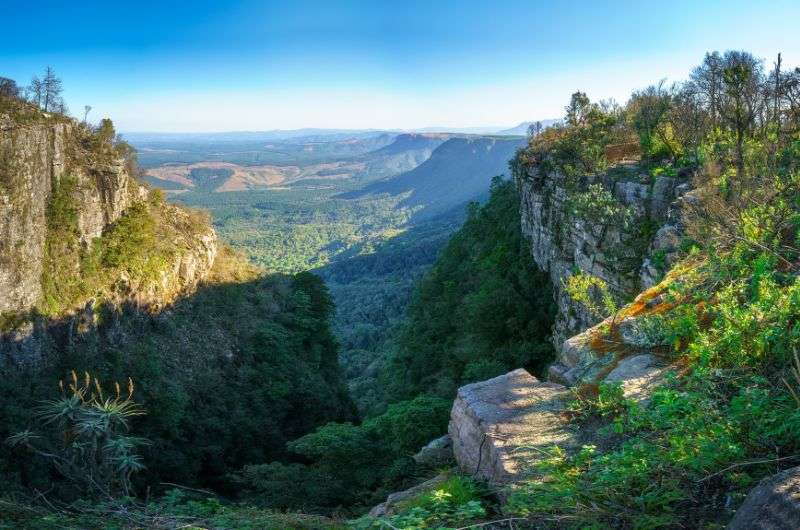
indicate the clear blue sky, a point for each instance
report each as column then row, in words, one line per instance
column 212, row 66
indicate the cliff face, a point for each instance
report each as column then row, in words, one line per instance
column 55, row 172
column 622, row 227
column 35, row 157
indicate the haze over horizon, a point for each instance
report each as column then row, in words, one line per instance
column 257, row 66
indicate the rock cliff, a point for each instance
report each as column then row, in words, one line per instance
column 35, row 156
column 64, row 187
column 622, row 226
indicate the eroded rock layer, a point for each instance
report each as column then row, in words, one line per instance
column 565, row 239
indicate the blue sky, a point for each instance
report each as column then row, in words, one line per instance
column 215, row 66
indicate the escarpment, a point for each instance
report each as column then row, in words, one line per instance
column 78, row 231
column 35, row 158
column 621, row 226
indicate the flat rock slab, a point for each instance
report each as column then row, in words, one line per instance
column 772, row 505
column 503, row 426
column 639, row 375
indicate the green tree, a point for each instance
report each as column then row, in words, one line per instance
column 482, row 309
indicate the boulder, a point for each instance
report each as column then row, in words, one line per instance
column 502, row 427
column 772, row 505
column 439, row 452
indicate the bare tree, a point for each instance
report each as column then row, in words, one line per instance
column 86, row 110
column 708, row 79
column 52, row 90
column 791, row 92
column 777, row 95
column 35, row 91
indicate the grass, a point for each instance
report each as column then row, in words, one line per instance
column 689, row 456
column 175, row 510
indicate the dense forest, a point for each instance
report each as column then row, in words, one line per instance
column 482, row 310
column 369, row 242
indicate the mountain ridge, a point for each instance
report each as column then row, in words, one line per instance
column 457, row 172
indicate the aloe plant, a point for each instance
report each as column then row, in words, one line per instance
column 90, row 445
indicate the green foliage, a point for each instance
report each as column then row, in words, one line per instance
column 89, row 444
column 688, row 456
column 649, row 112
column 176, row 509
column 592, row 293
column 61, row 286
column 664, row 472
column 138, row 245
column 372, row 290
column 288, row 231
column 482, row 308
column 454, row 502
column 577, row 147
column 349, row 463
column 598, row 205
column 703, row 438
column 267, row 373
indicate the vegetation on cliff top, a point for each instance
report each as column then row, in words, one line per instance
column 730, row 414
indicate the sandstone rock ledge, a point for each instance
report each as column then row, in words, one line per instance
column 501, row 427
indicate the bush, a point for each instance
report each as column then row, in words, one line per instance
column 456, row 501
column 89, row 445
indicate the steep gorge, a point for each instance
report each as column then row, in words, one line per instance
column 102, row 277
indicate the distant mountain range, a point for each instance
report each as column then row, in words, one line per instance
column 294, row 135
column 522, row 128
column 310, row 135
column 457, row 172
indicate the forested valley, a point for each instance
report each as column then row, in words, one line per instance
column 272, row 335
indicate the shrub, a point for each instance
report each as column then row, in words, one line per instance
column 89, row 445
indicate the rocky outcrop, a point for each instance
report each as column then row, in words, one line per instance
column 437, row 453
column 47, row 160
column 35, row 155
column 194, row 255
column 628, row 256
column 395, row 500
column 772, row 505
column 502, row 427
column 595, row 354
column 639, row 376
